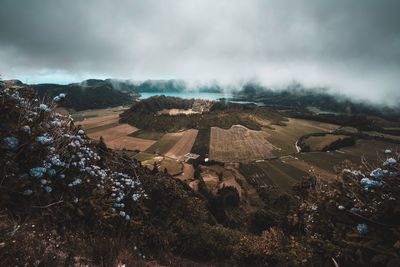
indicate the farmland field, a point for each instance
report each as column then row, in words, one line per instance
column 238, row 144
column 165, row 143
column 319, row 143
column 115, row 135
column 93, row 113
column 183, row 146
column 284, row 138
column 372, row 151
column 114, row 132
column 95, row 122
column 151, row 135
column 274, row 173
column 202, row 143
column 130, row 143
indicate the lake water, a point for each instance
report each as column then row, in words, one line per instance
column 188, row 95
column 197, row 95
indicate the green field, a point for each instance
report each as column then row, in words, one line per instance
column 321, row 143
column 284, row 138
column 272, row 173
column 372, row 151
column 202, row 142
column 150, row 135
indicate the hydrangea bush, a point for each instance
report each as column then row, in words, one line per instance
column 46, row 158
column 355, row 219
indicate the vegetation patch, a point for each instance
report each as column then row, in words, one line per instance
column 324, row 142
column 144, row 115
column 285, row 137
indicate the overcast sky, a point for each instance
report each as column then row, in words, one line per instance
column 349, row 46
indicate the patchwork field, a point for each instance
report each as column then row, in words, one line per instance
column 93, row 113
column 130, row 143
column 370, row 150
column 183, row 146
column 115, row 135
column 284, row 138
column 274, row 174
column 165, row 143
column 112, row 133
column 92, row 123
column 320, row 143
column 239, row 144
column 202, row 143
column 147, row 134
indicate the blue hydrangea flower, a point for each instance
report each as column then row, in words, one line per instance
column 59, row 97
column 377, row 173
column 27, row 192
column 367, row 183
column 26, row 129
column 55, row 160
column 77, row 181
column 48, row 189
column 51, row 172
column 11, row 142
column 44, row 139
column 37, row 172
column 44, row 107
column 362, row 228
column 390, row 161
column 355, row 210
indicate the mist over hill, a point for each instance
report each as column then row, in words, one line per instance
column 97, row 93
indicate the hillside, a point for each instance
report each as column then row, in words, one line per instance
column 315, row 101
column 144, row 115
column 85, row 97
column 66, row 200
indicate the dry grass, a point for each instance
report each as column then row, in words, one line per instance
column 239, row 144
column 183, row 146
column 172, row 166
column 187, row 172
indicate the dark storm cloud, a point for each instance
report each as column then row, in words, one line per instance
column 349, row 46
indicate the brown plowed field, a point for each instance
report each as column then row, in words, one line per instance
column 114, row 132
